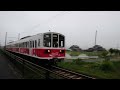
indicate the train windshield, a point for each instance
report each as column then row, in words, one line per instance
column 55, row 40
column 58, row 40
column 61, row 41
column 47, row 40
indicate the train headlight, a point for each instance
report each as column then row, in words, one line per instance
column 48, row 50
column 60, row 50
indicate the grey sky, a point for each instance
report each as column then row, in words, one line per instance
column 78, row 26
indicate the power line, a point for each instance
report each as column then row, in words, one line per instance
column 60, row 14
column 50, row 19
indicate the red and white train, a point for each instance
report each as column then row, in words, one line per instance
column 45, row 46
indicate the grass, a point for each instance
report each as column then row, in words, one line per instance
column 104, row 70
column 75, row 53
column 93, row 53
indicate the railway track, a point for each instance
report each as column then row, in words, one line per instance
column 68, row 74
column 64, row 73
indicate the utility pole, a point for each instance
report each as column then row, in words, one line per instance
column 19, row 36
column 95, row 36
column 5, row 39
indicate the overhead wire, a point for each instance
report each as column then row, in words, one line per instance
column 50, row 19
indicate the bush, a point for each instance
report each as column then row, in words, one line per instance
column 106, row 66
column 95, row 66
column 78, row 61
column 107, row 58
column 104, row 54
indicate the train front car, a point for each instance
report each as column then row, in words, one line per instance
column 54, row 46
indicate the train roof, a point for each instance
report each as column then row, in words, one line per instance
column 25, row 37
column 53, row 32
column 33, row 36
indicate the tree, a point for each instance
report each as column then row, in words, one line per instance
column 75, row 48
column 111, row 50
column 105, row 55
column 116, row 51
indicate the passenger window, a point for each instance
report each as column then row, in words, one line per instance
column 38, row 42
column 28, row 44
column 35, row 43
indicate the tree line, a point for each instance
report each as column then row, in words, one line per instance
column 114, row 51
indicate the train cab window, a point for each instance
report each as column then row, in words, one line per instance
column 47, row 40
column 55, row 40
column 61, row 41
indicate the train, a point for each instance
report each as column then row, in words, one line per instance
column 48, row 46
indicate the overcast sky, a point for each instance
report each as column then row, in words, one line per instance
column 78, row 26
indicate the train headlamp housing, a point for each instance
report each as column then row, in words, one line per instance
column 61, row 51
column 47, row 51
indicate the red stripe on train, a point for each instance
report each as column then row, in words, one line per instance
column 40, row 52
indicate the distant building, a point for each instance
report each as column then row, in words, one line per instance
column 75, row 48
column 89, row 50
column 96, row 48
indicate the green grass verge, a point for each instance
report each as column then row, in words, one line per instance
column 104, row 70
column 75, row 53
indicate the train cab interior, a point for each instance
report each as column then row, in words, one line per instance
column 55, row 40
